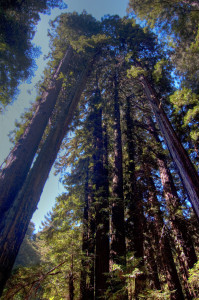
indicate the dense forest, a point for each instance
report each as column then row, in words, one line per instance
column 117, row 113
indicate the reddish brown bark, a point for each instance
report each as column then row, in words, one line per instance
column 17, row 218
column 91, row 242
column 118, row 247
column 183, row 242
column 184, row 165
column 151, row 264
column 20, row 159
column 71, row 281
column 96, row 211
column 85, row 263
column 100, row 181
column 134, row 223
column 164, row 244
column 173, row 205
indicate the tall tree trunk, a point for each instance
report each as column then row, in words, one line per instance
column 118, row 245
column 183, row 242
column 85, row 263
column 91, row 240
column 164, row 243
column 71, row 281
column 17, row 218
column 100, row 182
column 151, row 263
column 21, row 157
column 134, row 204
column 187, row 172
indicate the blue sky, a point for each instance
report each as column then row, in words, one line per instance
column 28, row 92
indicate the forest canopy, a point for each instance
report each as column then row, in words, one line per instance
column 18, row 20
column 124, row 139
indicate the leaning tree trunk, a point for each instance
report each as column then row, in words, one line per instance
column 164, row 243
column 21, row 157
column 17, row 218
column 187, row 172
column 179, row 225
column 183, row 242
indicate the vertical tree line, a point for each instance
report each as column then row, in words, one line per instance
column 124, row 229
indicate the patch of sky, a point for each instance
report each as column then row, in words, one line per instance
column 28, row 91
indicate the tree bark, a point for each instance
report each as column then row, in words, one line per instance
column 91, row 242
column 21, row 157
column 71, row 281
column 164, row 243
column 183, row 243
column 17, row 218
column 99, row 182
column 173, row 204
column 134, row 223
column 187, row 172
column 118, row 245
column 151, row 263
column 102, row 215
column 84, row 263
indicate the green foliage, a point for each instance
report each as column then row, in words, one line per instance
column 186, row 105
column 194, row 279
column 158, row 70
column 59, row 248
column 136, row 72
column 22, row 125
column 122, row 43
column 155, row 295
column 29, row 253
column 176, row 23
column 82, row 31
column 18, row 20
column 117, row 289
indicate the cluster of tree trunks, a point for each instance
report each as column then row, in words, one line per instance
column 21, row 187
column 28, row 188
